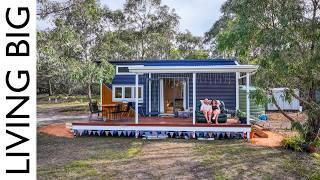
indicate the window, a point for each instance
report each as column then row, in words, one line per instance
column 118, row 92
column 124, row 70
column 126, row 93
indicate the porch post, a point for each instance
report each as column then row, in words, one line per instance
column 137, row 100
column 194, row 75
column 237, row 90
column 248, row 101
column 149, row 95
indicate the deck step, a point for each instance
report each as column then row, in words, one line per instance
column 259, row 131
column 155, row 137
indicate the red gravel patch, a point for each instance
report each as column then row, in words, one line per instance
column 58, row 129
column 274, row 140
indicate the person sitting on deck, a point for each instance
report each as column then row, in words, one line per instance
column 215, row 110
column 206, row 109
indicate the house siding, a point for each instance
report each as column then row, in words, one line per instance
column 220, row 86
column 213, row 86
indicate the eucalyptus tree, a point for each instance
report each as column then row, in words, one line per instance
column 152, row 25
column 190, row 46
column 81, row 21
column 283, row 38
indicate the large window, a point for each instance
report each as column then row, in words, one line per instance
column 124, row 70
column 126, row 93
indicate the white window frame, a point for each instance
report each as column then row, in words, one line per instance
column 132, row 99
column 126, row 73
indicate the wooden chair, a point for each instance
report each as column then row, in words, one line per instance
column 125, row 112
column 94, row 109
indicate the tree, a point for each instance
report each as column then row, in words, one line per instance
column 190, row 47
column 283, row 38
column 78, row 27
column 153, row 26
column 88, row 73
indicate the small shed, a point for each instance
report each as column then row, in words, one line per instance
column 294, row 105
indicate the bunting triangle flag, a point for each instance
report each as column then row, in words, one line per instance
column 106, row 132
column 119, row 133
column 111, row 132
column 232, row 134
column 89, row 132
column 197, row 133
column 98, row 133
column 171, row 134
column 228, row 134
column 80, row 132
column 210, row 134
column 218, row 134
column 179, row 133
column 75, row 132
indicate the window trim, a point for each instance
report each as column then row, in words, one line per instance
column 126, row 73
column 123, row 86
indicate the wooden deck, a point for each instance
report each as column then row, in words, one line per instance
column 170, row 126
column 158, row 121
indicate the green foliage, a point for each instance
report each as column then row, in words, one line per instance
column 282, row 37
column 241, row 114
column 294, row 142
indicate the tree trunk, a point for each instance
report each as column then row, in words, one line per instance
column 313, row 122
column 50, row 88
column 282, row 112
column 89, row 92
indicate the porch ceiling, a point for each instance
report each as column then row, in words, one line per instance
column 194, row 69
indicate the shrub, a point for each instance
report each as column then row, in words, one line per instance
column 294, row 142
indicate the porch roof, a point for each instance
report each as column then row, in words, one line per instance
column 194, row 69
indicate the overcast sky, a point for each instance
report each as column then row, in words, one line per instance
column 196, row 15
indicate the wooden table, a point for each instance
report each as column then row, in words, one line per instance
column 109, row 108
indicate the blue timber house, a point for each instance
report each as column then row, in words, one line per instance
column 166, row 93
column 164, row 87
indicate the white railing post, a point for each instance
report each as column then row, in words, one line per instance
column 248, row 101
column 149, row 95
column 194, row 75
column 137, row 100
column 237, row 90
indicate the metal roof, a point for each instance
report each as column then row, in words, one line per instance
column 184, row 62
column 194, row 69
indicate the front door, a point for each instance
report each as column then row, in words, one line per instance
column 172, row 95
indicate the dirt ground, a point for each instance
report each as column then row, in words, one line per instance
column 65, row 157
column 123, row 158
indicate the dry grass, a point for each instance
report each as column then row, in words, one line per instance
column 128, row 158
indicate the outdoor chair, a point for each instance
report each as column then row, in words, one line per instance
column 117, row 111
column 94, row 109
column 222, row 116
column 125, row 111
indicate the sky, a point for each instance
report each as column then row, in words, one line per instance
column 196, row 15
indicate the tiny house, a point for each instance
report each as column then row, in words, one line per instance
column 158, row 90
column 167, row 93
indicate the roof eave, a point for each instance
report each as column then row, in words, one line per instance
column 194, row 69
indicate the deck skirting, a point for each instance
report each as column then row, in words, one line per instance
column 172, row 131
